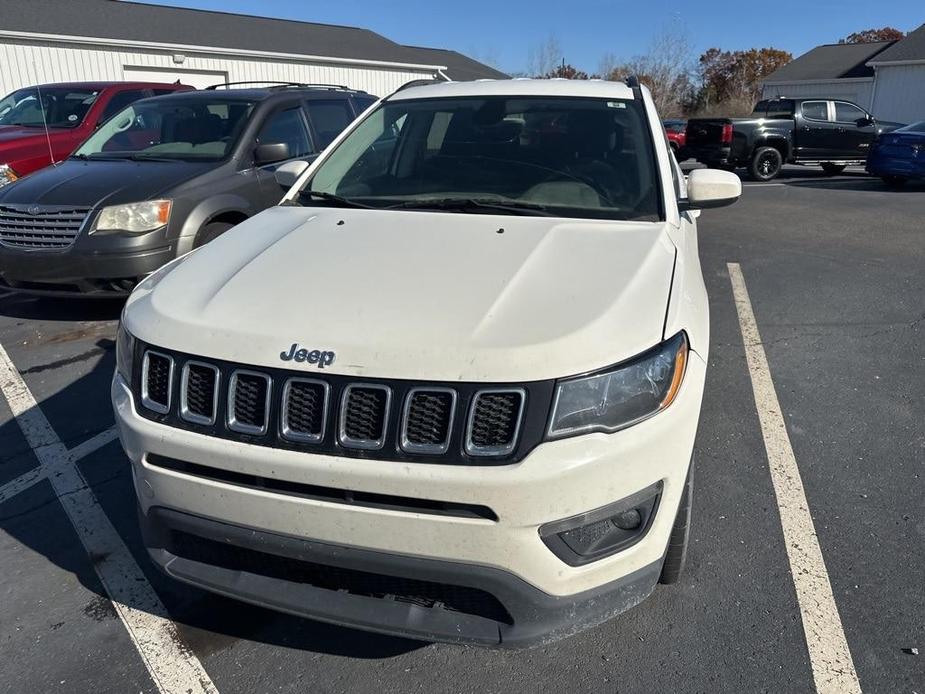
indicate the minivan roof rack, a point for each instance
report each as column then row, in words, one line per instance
column 273, row 84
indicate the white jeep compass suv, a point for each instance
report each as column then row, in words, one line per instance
column 448, row 388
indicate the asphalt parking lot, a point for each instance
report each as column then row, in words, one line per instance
column 835, row 272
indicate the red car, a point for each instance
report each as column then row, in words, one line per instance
column 677, row 135
column 70, row 111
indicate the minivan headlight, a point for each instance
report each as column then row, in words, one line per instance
column 125, row 352
column 7, row 175
column 135, row 218
column 621, row 396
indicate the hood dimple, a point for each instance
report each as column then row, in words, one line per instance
column 441, row 296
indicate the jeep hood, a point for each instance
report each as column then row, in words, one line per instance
column 416, row 295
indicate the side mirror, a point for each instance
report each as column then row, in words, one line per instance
column 287, row 174
column 271, row 153
column 708, row 188
column 864, row 122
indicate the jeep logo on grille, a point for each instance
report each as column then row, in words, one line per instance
column 315, row 356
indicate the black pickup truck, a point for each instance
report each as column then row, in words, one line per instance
column 781, row 131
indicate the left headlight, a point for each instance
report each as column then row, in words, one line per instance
column 7, row 175
column 125, row 352
column 136, row 218
column 619, row 397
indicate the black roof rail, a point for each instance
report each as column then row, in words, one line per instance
column 273, row 84
column 632, row 81
column 420, row 83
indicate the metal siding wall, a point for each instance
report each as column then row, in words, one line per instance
column 35, row 63
column 900, row 94
column 858, row 92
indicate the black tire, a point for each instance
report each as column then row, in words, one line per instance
column 676, row 555
column 895, row 182
column 210, row 232
column 765, row 164
column 831, row 169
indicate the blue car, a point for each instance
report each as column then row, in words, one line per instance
column 899, row 156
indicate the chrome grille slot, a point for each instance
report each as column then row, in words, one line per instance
column 305, row 410
column 156, row 379
column 199, row 392
column 50, row 227
column 364, row 416
column 248, row 402
column 427, row 421
column 494, row 421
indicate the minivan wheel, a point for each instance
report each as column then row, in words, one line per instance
column 676, row 556
column 833, row 169
column 895, row 181
column 765, row 164
column 210, row 232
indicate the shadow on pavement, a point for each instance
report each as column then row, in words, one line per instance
column 19, row 305
column 207, row 623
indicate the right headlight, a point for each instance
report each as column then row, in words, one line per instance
column 621, row 396
column 125, row 352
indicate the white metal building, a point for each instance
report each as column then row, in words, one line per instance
column 45, row 41
column 886, row 78
column 899, row 83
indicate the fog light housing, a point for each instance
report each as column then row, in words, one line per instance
column 602, row 532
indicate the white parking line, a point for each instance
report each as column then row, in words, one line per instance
column 171, row 664
column 21, row 483
column 833, row 667
column 82, row 450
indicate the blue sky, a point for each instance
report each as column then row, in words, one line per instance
column 504, row 32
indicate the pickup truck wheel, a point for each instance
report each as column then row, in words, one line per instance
column 211, row 232
column 895, row 181
column 833, row 169
column 676, row 556
column 766, row 163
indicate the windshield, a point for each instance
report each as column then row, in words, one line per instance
column 913, row 128
column 571, row 157
column 167, row 128
column 55, row 107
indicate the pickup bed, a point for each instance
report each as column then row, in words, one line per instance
column 822, row 131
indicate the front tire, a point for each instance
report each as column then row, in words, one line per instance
column 765, row 164
column 676, row 555
column 833, row 169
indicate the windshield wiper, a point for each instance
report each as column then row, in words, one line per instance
column 462, row 204
column 147, row 157
column 331, row 197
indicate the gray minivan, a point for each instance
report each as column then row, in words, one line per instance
column 161, row 177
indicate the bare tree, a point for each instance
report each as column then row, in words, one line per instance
column 544, row 57
column 666, row 69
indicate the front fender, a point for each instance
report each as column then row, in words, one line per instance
column 206, row 210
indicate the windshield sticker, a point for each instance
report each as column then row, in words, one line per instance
column 616, row 104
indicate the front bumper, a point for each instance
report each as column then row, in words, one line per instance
column 908, row 167
column 93, row 266
column 504, row 556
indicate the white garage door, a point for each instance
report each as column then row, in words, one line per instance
column 195, row 78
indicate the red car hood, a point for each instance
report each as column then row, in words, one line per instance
column 18, row 135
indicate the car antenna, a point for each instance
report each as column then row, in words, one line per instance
column 51, row 154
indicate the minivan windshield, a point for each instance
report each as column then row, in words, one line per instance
column 56, row 107
column 169, row 128
column 568, row 157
